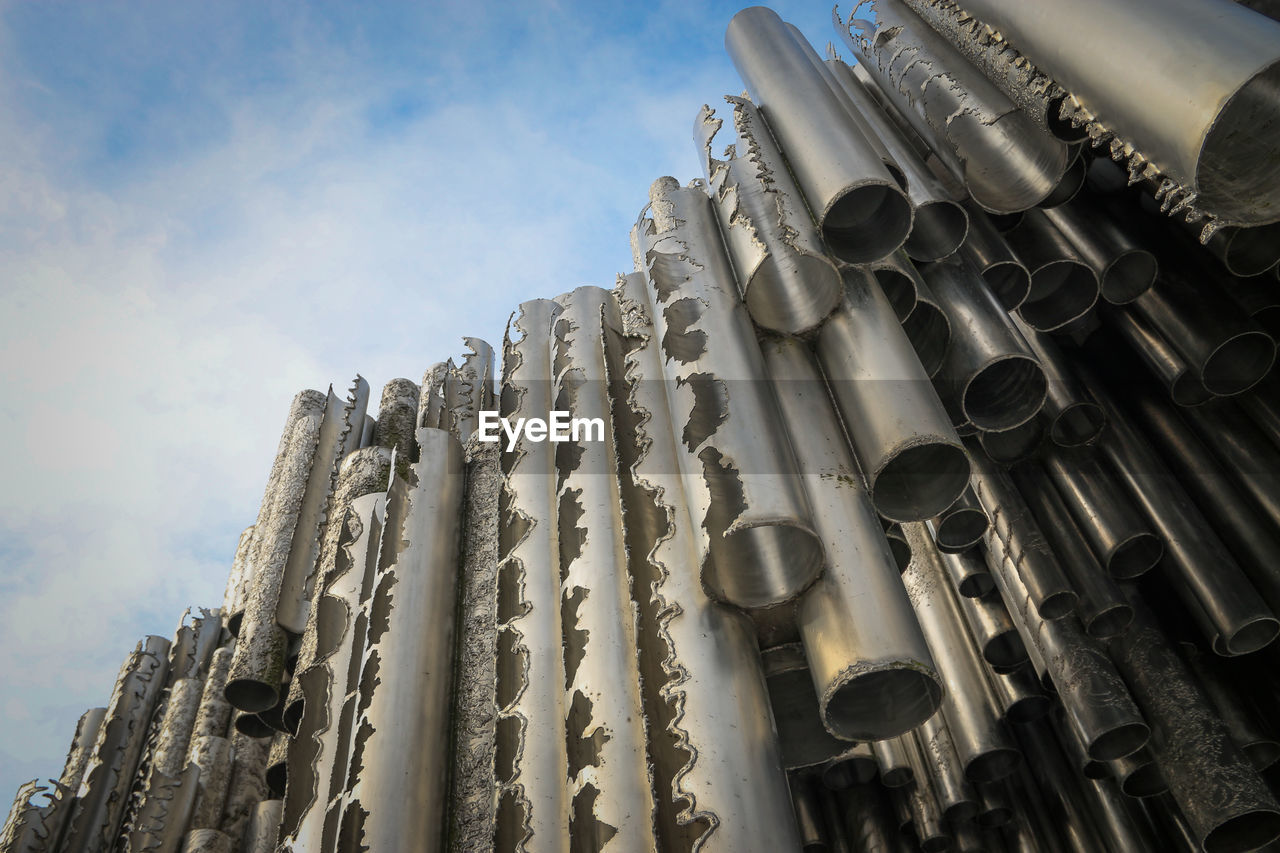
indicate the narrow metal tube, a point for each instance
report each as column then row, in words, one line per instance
column 891, row 759
column 988, row 373
column 968, row 705
column 954, row 794
column 1020, row 694
column 855, row 766
column 854, row 199
column 1013, row 445
column 928, row 329
column 1138, row 774
column 960, row 526
column 986, row 249
column 758, row 548
column 971, row 577
column 1125, row 270
column 1160, row 357
column 1119, row 818
column 1064, row 801
column 1074, row 418
column 207, row 841
column 805, row 742
column 806, row 799
column 923, row 805
column 994, row 808
column 247, row 787
column 1063, row 286
column 898, row 546
column 1120, row 538
column 1243, row 725
column 786, row 280
column 871, row 667
column 237, row 590
column 900, row 282
column 1226, row 803
column 213, row 756
column 1101, row 607
column 1252, row 462
column 214, row 713
column 263, row 829
column 1008, row 164
column 903, row 440
column 989, row 625
column 868, row 824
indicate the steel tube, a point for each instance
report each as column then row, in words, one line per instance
column 1019, row 693
column 900, row 282
column 898, row 545
column 855, row 766
column 213, row 756
column 1064, row 801
column 854, row 199
column 922, row 804
column 1138, row 774
column 1183, row 384
column 960, row 526
column 928, row 329
column 1247, row 731
column 805, row 742
column 971, row 577
column 891, row 759
column 1125, row 270
column 905, row 446
column 867, row 821
column 989, row 625
column 1252, row 462
column 263, row 830
column 1063, row 286
column 1013, row 445
column 1073, row 417
column 953, row 792
column 986, row 249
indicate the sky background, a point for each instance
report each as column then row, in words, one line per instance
column 205, row 208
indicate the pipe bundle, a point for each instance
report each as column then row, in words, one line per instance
column 919, row 488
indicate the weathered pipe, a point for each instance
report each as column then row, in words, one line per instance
column 899, row 281
column 1246, row 252
column 1160, row 357
column 786, row 280
column 960, row 526
column 1224, row 347
column 989, row 624
column 986, row 249
column 872, row 669
column 708, row 719
column 1064, row 800
column 806, row 743
column 1020, row 694
column 1070, row 184
column 972, row 578
column 1122, row 540
column 898, row 546
column 213, row 756
column 1218, row 143
column 264, row 827
column 398, row 791
column 1013, row 445
column 1138, row 774
column 968, row 705
column 1008, row 164
column 1252, row 461
column 1253, row 541
column 855, row 766
column 1073, row 417
column 237, row 589
column 1120, row 818
column 1016, row 544
column 891, row 759
column 928, row 329
column 994, row 808
column 1260, row 299
column 806, row 799
column 1227, row 804
column 862, row 213
column 1076, row 750
column 758, row 548
column 1063, row 286
column 1198, row 565
column 904, row 442
column 923, row 805
column 277, row 773
column 208, row 841
column 1125, row 269
column 940, row 224
column 1032, row 830
column 955, row 795
column 1102, row 608
column 215, row 711
column 1247, row 730
column 988, row 373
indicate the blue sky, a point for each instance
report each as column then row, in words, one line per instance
column 205, row 208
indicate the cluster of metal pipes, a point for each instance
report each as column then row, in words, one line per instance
column 936, row 503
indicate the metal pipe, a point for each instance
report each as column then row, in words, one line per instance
column 1064, row 801
column 968, row 705
column 758, row 548
column 1074, row 418
column 989, row 625
column 898, row 546
column 1070, row 184
column 1125, row 269
column 1246, row 729
column 1226, row 803
column 960, row 526
column 900, row 283
column 855, row 766
column 891, row 759
column 1008, row 164
column 247, row 787
column 854, row 199
column 208, row 841
column 868, row 824
column 922, row 804
column 806, row 799
column 1013, row 445
column 1183, row 384
column 1019, row 693
column 872, row 670
column 952, row 791
column 972, row 578
column 1120, row 538
column 986, row 249
column 928, row 329
column 264, row 827
column 787, row 282
column 904, row 443
column 1063, row 286
column 1215, row 143
column 1101, row 606
column 1252, row 461
column 804, row 740
column 1138, row 774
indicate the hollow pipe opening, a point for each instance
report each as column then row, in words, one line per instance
column 1129, row 276
column 1246, row 831
column 1005, row 393
column 995, row 764
column 1135, row 556
column 937, row 231
column 840, row 775
column 882, row 704
column 1109, row 622
column 1029, row 709
column 1058, row 604
column 1009, row 281
column 1119, row 742
column 929, row 331
column 867, row 223
column 1005, row 650
column 1012, row 445
column 1061, row 291
column 1238, row 363
column 1145, row 780
column 1079, row 423
column 764, row 565
column 1237, row 171
column 899, row 289
column 960, row 530
column 796, row 297
column 920, row 481
column 1060, row 127
column 1253, row 635
column 976, row 586
column 1262, row 753
column 251, row 695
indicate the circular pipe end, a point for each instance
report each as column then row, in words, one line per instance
column 847, row 772
column 762, row 566
column 881, row 704
column 1028, row 709
column 899, row 547
column 1110, row 622
column 994, row 818
column 1009, row 281
column 992, row 765
column 1253, row 635
column 1237, row 174
column 867, row 222
column 1061, row 292
column 1262, row 753
column 1005, row 393
column 252, row 726
column 1118, row 742
column 929, row 331
column 1129, row 276
column 977, row 585
column 960, row 812
column 899, row 288
column 1079, row 423
column 1238, row 363
column 897, row 777
column 920, row 481
column 1058, row 604
column 1005, row 650
column 938, row 230
column 1135, row 556
column 251, row 695
column 1145, row 780
column 960, row 530
column 1012, row 445
column 795, row 296
column 1247, row 831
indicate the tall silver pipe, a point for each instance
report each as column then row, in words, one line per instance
column 856, row 202
column 787, row 282
column 1160, row 357
column 955, row 795
column 1019, row 693
column 806, row 799
column 805, row 742
column 247, row 787
column 891, row 759
column 898, row 545
column 1215, row 143
column 868, row 824
column 960, row 526
column 928, row 328
column 1139, row 775
column 1101, row 607
column 738, row 467
column 1226, row 803
column 1125, row 269
column 900, row 283
column 1123, row 541
column 399, row 788
column 855, row 766
column 871, row 667
column 923, row 805
column 707, row 705
column 909, row 454
column 1008, row 164
column 1010, row 446
column 968, row 705
column 971, row 577
column 1074, row 418
column 1227, row 607
column 988, row 252
column 213, row 756
column 237, row 590
column 989, row 624
column 214, row 713
column 1064, row 801
column 988, row 374
column 1063, row 286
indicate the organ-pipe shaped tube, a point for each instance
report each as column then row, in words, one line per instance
column 891, row 759
column 1198, row 565
column 806, row 799
column 872, row 670
column 1247, row 252
column 955, row 795
column 900, row 283
column 989, row 624
column 787, row 282
column 903, row 440
column 1125, row 270
column 972, row 578
column 1121, row 539
column 213, row 756
column 705, row 698
column 1073, row 416
column 867, row 822
column 1246, row 729
column 1138, row 774
column 1227, row 805
column 1015, row 543
column 1159, row 356
column 940, row 224
column 928, row 329
column 968, row 705
column 960, row 526
column 987, row 251
column 862, row 213
column 1010, row 446
column 1063, row 799
column 805, row 741
column 1076, row 750
column 922, row 804
column 855, row 766
column 237, row 591
column 994, row 808
column 1008, row 164
column 739, row 470
column 247, row 788
column 1102, row 608
column 988, row 373
column 1197, row 96
column 898, row 545
column 398, row 789
column 1063, row 286
column 1020, row 694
